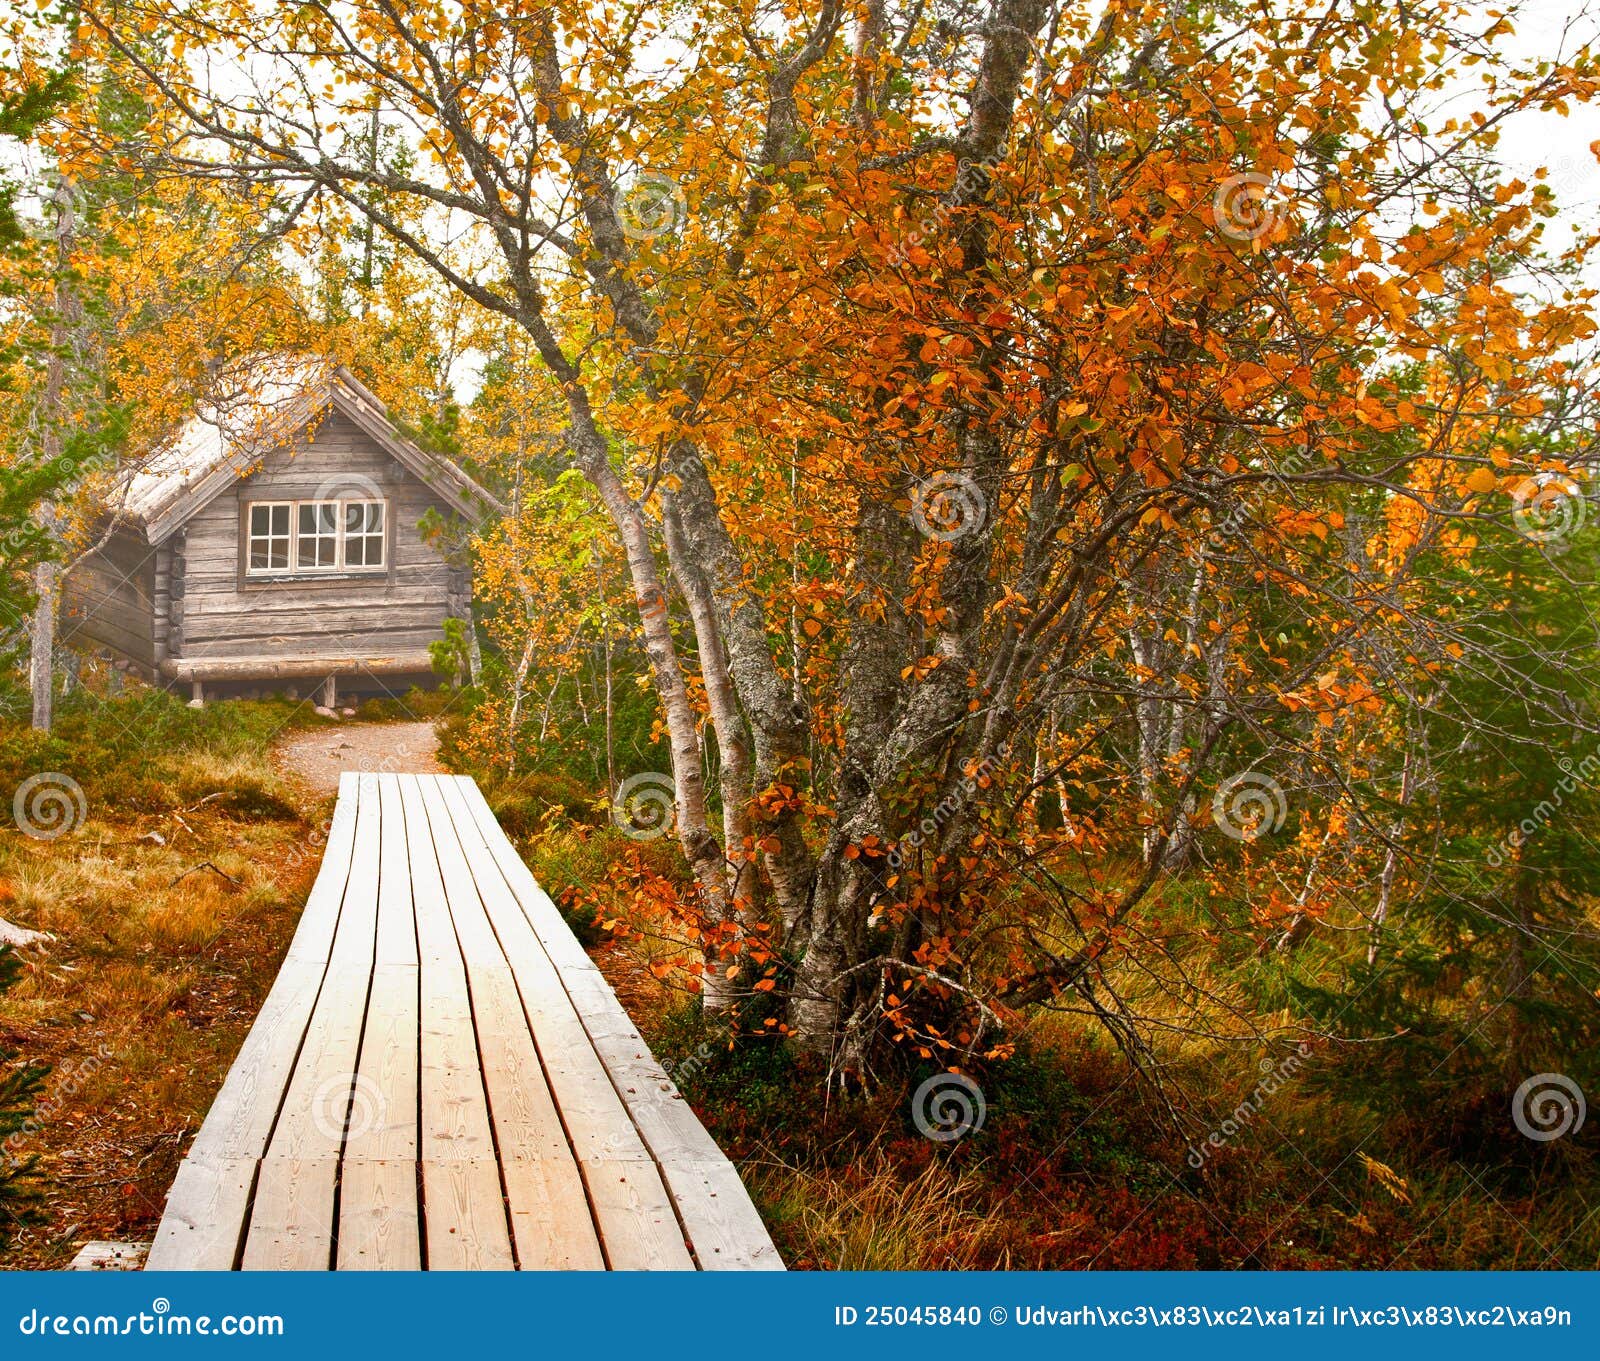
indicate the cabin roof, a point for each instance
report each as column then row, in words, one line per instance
column 264, row 403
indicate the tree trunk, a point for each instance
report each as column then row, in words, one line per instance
column 733, row 753
column 42, row 634
column 46, row 579
column 831, row 1007
column 1391, row 862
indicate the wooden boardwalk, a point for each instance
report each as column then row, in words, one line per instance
column 441, row 1079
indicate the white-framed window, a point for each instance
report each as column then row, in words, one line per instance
column 363, row 534
column 312, row 537
column 316, row 546
column 269, row 536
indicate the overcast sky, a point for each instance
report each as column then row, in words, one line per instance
column 1560, row 144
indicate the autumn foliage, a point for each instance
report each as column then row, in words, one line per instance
column 1083, row 504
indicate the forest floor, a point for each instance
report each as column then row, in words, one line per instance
column 317, row 758
column 172, row 900
column 169, row 906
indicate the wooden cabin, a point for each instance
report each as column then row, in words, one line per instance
column 274, row 544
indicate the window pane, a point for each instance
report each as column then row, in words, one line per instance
column 363, row 543
column 268, row 538
column 318, row 523
column 318, row 517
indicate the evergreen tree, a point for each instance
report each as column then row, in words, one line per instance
column 19, row 1085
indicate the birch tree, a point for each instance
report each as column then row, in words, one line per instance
column 1027, row 325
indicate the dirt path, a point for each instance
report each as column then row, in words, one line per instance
column 318, row 758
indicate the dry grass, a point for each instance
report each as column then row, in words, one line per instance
column 168, row 929
column 869, row 1217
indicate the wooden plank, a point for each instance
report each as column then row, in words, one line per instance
column 455, row 1121
column 380, row 1226
column 204, row 1220
column 638, row 1229
column 386, row 1092
column 313, row 938
column 466, row 1216
column 202, row 1228
column 291, row 1221
column 321, row 1090
column 549, row 1211
column 360, row 613
column 379, row 1213
column 464, row 1212
column 267, row 666
column 723, row 1225
column 397, row 922
column 526, row 1121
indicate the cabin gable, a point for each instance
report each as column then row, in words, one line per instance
column 294, row 558
column 226, row 611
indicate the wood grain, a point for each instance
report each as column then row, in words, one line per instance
column 440, row 1077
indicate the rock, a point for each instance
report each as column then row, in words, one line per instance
column 347, row 713
column 323, row 710
column 12, row 934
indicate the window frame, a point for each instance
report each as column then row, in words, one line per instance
column 312, row 571
column 335, row 534
column 381, row 534
column 251, row 538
